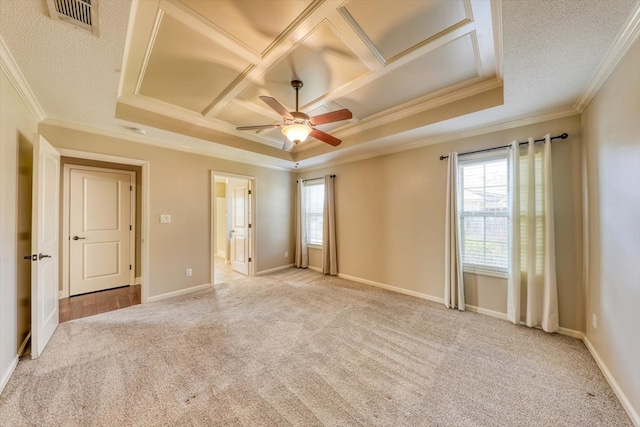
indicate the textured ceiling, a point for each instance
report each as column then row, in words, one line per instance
column 399, row 69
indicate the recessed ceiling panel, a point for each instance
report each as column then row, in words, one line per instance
column 393, row 27
column 448, row 65
column 322, row 61
column 187, row 69
column 256, row 23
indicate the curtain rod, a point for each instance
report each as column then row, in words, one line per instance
column 563, row 136
column 313, row 179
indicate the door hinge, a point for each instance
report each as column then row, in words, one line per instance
column 249, row 225
column 129, row 266
column 131, row 188
column 130, row 228
column 249, row 191
column 249, row 259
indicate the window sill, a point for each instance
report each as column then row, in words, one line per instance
column 483, row 272
column 318, row 247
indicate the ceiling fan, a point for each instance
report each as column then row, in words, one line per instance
column 298, row 126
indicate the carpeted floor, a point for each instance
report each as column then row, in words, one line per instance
column 299, row 348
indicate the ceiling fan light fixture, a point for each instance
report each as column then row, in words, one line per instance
column 296, row 132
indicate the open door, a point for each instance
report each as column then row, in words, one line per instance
column 240, row 257
column 44, row 244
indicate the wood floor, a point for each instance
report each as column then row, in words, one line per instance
column 98, row 302
column 113, row 299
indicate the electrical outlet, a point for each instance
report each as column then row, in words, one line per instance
column 165, row 219
column 594, row 320
column 189, row 272
column 286, row 254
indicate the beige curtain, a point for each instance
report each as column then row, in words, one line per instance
column 329, row 252
column 302, row 254
column 453, row 283
column 532, row 243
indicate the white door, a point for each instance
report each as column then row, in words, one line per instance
column 100, row 230
column 240, row 226
column 44, row 244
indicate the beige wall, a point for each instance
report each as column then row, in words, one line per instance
column 180, row 185
column 17, row 126
column 390, row 219
column 315, row 258
column 611, row 128
column 138, row 185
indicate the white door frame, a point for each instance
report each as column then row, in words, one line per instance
column 66, row 197
column 253, row 252
column 144, row 212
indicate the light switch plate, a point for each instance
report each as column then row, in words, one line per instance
column 165, row 219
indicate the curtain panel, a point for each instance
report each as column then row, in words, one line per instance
column 302, row 253
column 453, row 282
column 532, row 294
column 329, row 252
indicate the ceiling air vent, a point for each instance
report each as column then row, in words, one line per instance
column 79, row 13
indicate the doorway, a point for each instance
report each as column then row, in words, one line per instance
column 232, row 219
column 101, row 219
column 138, row 294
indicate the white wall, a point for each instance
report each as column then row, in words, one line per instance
column 16, row 125
column 611, row 129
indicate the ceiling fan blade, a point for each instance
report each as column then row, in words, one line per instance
column 273, row 103
column 334, row 116
column 258, row 127
column 325, row 137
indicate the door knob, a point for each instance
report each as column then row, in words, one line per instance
column 40, row 256
column 30, row 257
column 78, row 238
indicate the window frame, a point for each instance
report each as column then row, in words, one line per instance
column 480, row 158
column 314, row 183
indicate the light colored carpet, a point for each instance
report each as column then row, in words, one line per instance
column 299, row 348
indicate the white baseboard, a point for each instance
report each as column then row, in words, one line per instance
column 472, row 308
column 485, row 311
column 61, row 295
column 391, row 288
column 273, row 270
column 6, row 376
column 178, row 293
column 571, row 333
column 316, row 269
column 24, row 344
column 633, row 415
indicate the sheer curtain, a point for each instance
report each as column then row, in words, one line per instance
column 329, row 253
column 532, row 242
column 453, row 283
column 302, row 254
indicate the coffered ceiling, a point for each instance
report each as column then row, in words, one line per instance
column 412, row 72
column 207, row 63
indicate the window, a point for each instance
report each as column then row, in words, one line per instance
column 484, row 213
column 314, row 206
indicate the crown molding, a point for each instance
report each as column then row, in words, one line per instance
column 428, row 102
column 627, row 36
column 525, row 121
column 123, row 135
column 15, row 76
